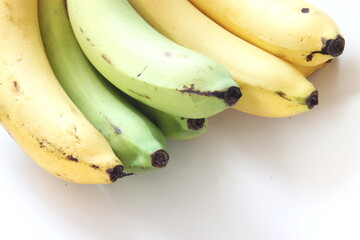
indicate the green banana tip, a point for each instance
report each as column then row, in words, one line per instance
column 159, row 159
column 117, row 172
column 313, row 99
column 195, row 124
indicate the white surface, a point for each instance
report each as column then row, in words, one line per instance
column 247, row 178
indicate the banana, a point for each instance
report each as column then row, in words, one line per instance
column 134, row 139
column 271, row 87
column 291, row 29
column 148, row 66
column 173, row 127
column 36, row 111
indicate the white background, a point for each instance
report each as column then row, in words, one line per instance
column 248, row 177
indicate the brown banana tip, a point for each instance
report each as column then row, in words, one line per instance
column 159, row 159
column 232, row 95
column 195, row 124
column 313, row 99
column 117, row 172
column 334, row 47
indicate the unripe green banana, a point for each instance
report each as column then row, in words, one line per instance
column 133, row 138
column 148, row 66
column 173, row 127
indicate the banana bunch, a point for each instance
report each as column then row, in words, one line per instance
column 91, row 90
column 267, row 57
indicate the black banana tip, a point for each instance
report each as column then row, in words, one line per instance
column 334, row 47
column 159, row 159
column 313, row 99
column 232, row 95
column 195, row 124
column 117, row 172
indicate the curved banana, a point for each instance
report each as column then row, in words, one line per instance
column 134, row 139
column 146, row 65
column 173, row 127
column 271, row 87
column 291, row 29
column 36, row 111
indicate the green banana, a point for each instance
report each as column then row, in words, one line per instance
column 173, row 127
column 134, row 138
column 148, row 66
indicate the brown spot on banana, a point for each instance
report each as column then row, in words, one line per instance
column 16, row 86
column 89, row 41
column 72, row 158
column 106, row 58
column 95, row 166
column 281, row 94
column 305, row 10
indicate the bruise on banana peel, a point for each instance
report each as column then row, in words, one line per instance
column 333, row 47
column 231, row 96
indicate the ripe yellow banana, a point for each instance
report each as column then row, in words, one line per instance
column 36, row 111
column 146, row 65
column 291, row 29
column 271, row 87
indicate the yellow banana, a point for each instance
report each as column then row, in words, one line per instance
column 271, row 87
column 36, row 111
column 291, row 29
column 307, row 71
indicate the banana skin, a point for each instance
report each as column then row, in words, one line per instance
column 173, row 127
column 270, row 86
column 36, row 111
column 134, row 139
column 294, row 30
column 146, row 65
